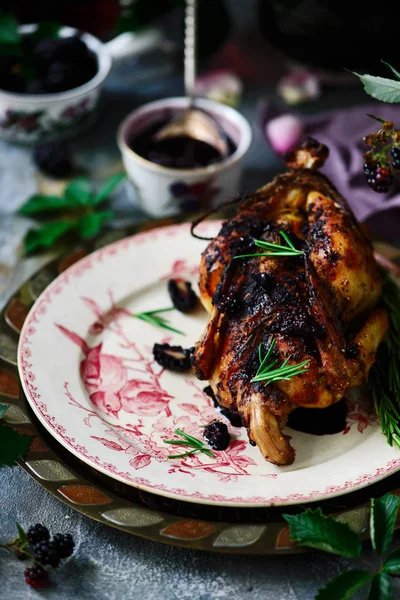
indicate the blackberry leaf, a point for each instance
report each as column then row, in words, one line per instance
column 107, row 188
column 12, row 446
column 383, row 517
column 47, row 235
column 9, row 33
column 315, row 530
column 344, row 586
column 386, row 90
column 90, row 225
column 79, row 192
column 392, row 563
column 381, row 587
column 42, row 204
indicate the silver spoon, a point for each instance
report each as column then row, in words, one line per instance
column 193, row 122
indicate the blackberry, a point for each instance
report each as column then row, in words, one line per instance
column 396, row 157
column 37, row 533
column 72, row 49
column 47, row 553
column 378, row 178
column 217, row 435
column 183, row 297
column 53, row 159
column 66, row 50
column 45, row 53
column 62, row 76
column 35, row 86
column 173, row 358
column 64, row 543
column 36, row 576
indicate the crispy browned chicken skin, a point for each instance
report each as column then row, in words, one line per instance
column 321, row 306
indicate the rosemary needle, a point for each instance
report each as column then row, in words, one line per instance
column 267, row 371
column 274, row 249
column 192, row 442
column 152, row 317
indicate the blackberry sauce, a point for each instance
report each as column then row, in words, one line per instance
column 176, row 153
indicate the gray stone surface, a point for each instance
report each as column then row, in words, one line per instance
column 108, row 564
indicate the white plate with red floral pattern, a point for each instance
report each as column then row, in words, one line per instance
column 87, row 369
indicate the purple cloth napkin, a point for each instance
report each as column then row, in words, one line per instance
column 343, row 131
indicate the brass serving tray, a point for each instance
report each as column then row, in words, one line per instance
column 257, row 531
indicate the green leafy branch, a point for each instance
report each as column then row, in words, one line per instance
column 12, row 444
column 384, row 377
column 313, row 529
column 78, row 210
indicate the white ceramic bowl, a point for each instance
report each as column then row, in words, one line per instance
column 33, row 118
column 163, row 191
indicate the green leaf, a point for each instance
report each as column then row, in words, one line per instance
column 41, row 204
column 12, row 446
column 46, row 29
column 9, row 33
column 47, row 235
column 79, row 192
column 23, row 538
column 392, row 68
column 312, row 528
column 3, row 409
column 90, row 225
column 383, row 517
column 392, row 563
column 107, row 188
column 381, row 587
column 344, row 586
column 386, row 90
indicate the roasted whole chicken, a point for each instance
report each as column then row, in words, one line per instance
column 320, row 306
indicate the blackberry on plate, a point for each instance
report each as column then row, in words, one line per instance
column 47, row 553
column 182, row 295
column 217, row 435
column 36, row 576
column 173, row 358
column 64, row 543
column 53, row 159
column 37, row 533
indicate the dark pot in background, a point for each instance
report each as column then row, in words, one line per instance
column 332, row 35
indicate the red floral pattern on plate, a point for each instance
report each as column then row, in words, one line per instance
column 130, row 405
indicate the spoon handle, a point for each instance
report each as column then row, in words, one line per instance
column 190, row 50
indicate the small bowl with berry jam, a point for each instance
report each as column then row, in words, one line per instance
column 181, row 175
column 50, row 85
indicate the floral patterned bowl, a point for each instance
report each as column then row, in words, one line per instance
column 33, row 118
column 163, row 191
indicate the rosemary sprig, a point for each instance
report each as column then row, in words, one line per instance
column 153, row 318
column 274, row 249
column 267, row 372
column 384, row 377
column 191, row 442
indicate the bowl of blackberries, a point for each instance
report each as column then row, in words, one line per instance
column 50, row 84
